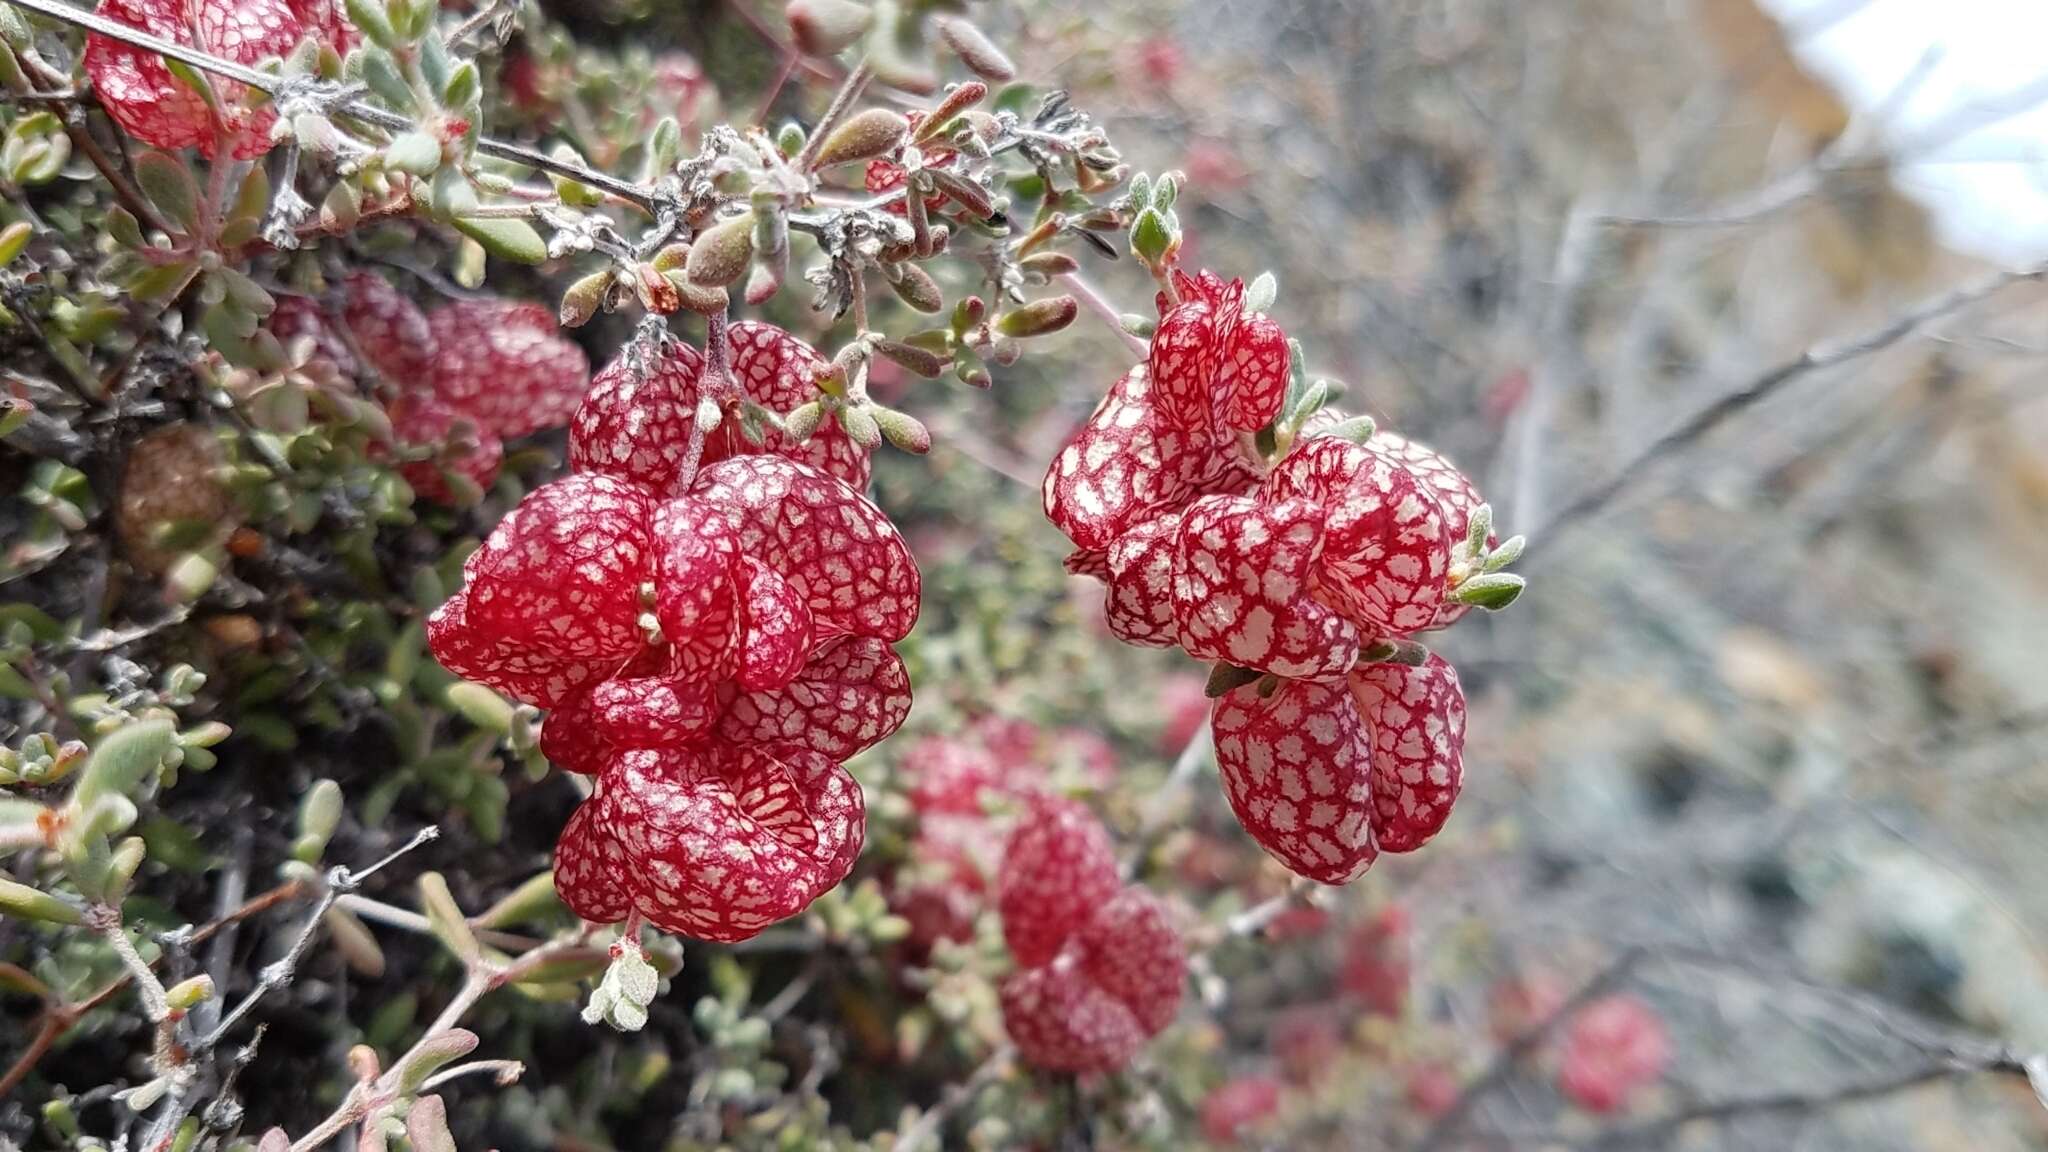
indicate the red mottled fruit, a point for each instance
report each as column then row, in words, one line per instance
column 651, row 711
column 775, row 628
column 1237, row 1107
column 389, row 329
column 948, row 775
column 1241, row 584
column 1058, row 868
column 1417, row 720
column 1115, row 984
column 638, row 415
column 840, row 553
column 460, row 446
column 1455, row 492
column 511, row 666
column 561, row 573
column 507, row 362
column 696, row 591
column 1297, row 770
column 710, row 843
column 570, row 740
column 1251, row 374
column 1613, row 1049
column 301, row 318
column 780, row 372
column 1129, row 463
column 850, row 697
column 1139, row 602
column 150, row 104
column 1386, row 549
column 1130, row 949
column 1376, row 967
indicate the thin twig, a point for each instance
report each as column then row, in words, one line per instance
column 1674, row 443
column 926, row 1127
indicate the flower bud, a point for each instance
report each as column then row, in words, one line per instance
column 828, row 27
column 1039, row 318
column 917, row 288
column 865, row 136
column 721, row 255
column 976, row 50
column 903, row 430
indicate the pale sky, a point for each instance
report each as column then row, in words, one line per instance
column 1987, row 188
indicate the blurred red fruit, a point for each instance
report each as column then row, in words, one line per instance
column 1239, row 1106
column 1613, row 1049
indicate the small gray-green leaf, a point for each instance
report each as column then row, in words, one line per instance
column 506, row 238
column 1492, row 591
column 416, row 153
column 169, row 185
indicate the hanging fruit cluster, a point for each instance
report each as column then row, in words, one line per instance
column 1234, row 515
column 708, row 622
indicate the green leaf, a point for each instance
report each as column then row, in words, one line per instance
column 31, row 904
column 445, row 918
column 168, row 183
column 132, row 752
column 506, row 238
column 381, row 73
column 369, row 16
column 1492, row 591
column 431, row 1055
column 464, row 86
column 416, row 153
column 253, row 198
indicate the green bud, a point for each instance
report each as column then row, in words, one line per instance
column 802, row 421
column 922, row 361
column 903, row 430
column 721, row 255
column 1260, row 295
column 863, row 136
column 1510, row 550
column 789, row 140
column 976, row 50
column 1492, row 591
column 861, row 426
column 1039, row 318
column 828, row 27
column 189, row 994
column 320, row 811
column 369, row 16
column 582, row 299
column 1151, row 239
column 528, row 902
column 916, row 288
column 15, row 237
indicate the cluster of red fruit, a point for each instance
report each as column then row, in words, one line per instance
column 464, row 378
column 138, row 90
column 951, row 781
column 1305, row 573
column 1100, row 965
column 708, row 621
